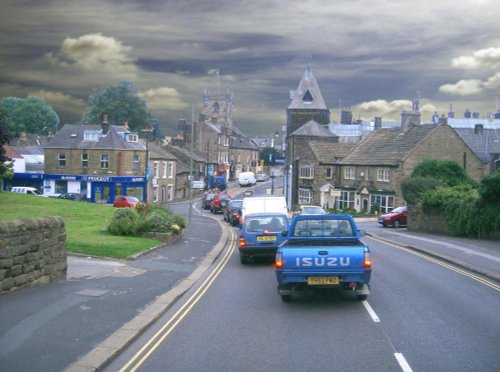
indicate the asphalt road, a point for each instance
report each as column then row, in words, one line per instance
column 52, row 326
column 420, row 316
column 430, row 315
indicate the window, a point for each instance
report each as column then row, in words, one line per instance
column 61, row 157
column 104, row 161
column 346, row 200
column 155, row 169
column 85, row 160
column 306, row 172
column 383, row 174
column 164, row 169
column 307, row 98
column 132, row 137
column 136, row 163
column 328, row 172
column 155, row 194
column 385, row 202
column 305, row 196
column 91, row 136
column 170, row 169
column 170, row 192
column 349, row 173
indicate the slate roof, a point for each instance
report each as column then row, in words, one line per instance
column 308, row 88
column 313, row 129
column 184, row 154
column 71, row 136
column 158, row 152
column 483, row 144
column 329, row 153
column 387, row 146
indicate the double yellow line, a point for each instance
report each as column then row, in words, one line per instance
column 152, row 344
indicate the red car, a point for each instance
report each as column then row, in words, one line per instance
column 125, row 201
column 395, row 218
column 219, row 203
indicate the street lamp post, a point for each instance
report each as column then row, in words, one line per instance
column 147, row 132
column 272, row 183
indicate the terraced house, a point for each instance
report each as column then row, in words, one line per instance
column 105, row 161
column 325, row 170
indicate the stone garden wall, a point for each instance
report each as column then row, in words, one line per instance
column 32, row 251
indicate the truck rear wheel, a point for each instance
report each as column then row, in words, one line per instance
column 286, row 298
column 361, row 297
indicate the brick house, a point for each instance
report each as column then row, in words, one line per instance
column 372, row 172
column 163, row 179
column 305, row 180
column 100, row 161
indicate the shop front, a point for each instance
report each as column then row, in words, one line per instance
column 96, row 189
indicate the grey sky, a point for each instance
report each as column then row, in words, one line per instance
column 372, row 55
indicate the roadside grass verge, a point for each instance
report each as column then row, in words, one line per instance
column 84, row 223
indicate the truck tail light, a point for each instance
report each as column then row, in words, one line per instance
column 243, row 243
column 278, row 261
column 367, row 262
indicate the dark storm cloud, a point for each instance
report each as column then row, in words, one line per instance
column 373, row 55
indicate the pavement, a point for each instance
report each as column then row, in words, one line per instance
column 479, row 256
column 177, row 271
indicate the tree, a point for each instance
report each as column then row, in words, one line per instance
column 489, row 189
column 30, row 115
column 449, row 172
column 5, row 163
column 120, row 103
column 268, row 154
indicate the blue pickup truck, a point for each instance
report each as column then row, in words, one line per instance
column 323, row 251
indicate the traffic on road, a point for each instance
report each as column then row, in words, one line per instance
column 193, row 306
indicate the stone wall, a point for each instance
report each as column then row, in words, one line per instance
column 32, row 251
column 426, row 223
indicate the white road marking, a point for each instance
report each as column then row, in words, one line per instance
column 403, row 363
column 372, row 313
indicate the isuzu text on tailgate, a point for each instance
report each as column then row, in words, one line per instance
column 323, row 251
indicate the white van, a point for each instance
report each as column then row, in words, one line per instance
column 247, row 179
column 26, row 190
column 263, row 204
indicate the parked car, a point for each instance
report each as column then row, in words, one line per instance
column 261, row 177
column 246, row 179
column 26, row 190
column 206, row 201
column 260, row 235
column 219, row 203
column 395, row 218
column 125, row 201
column 311, row 209
column 71, row 196
column 232, row 213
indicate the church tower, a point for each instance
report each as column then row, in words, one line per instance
column 306, row 104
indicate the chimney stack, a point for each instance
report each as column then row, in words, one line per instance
column 105, row 124
column 443, row 120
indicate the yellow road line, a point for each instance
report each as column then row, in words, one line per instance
column 172, row 323
column 443, row 263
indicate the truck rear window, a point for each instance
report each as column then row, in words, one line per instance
column 326, row 242
column 322, row 228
